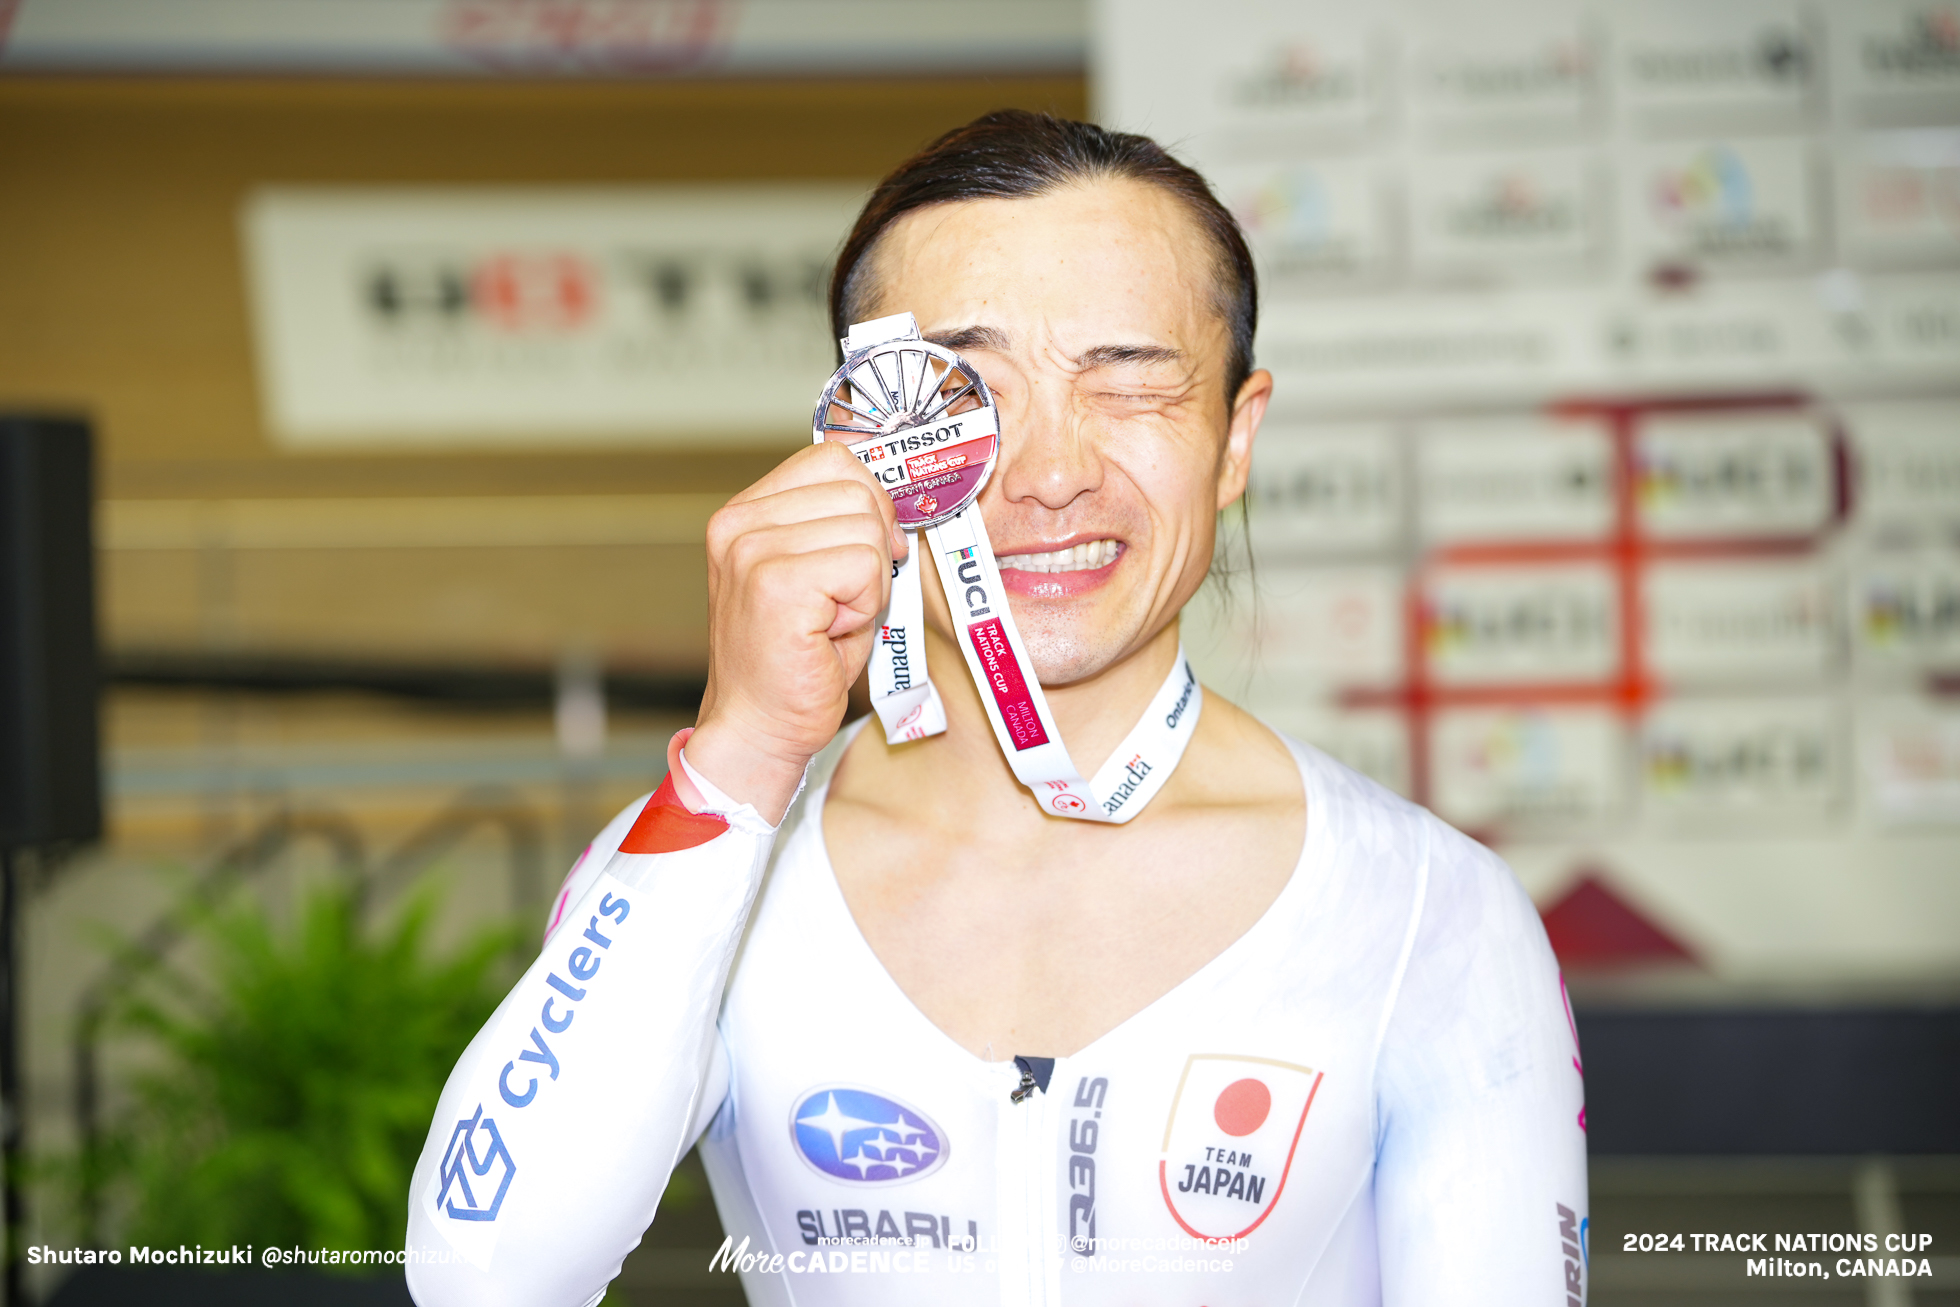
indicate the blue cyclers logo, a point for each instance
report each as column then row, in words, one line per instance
column 476, row 1152
column 856, row 1135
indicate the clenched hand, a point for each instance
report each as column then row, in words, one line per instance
column 799, row 567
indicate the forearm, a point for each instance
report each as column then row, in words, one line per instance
column 558, row 1129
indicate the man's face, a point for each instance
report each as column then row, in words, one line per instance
column 1090, row 312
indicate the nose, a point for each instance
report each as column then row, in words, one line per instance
column 1048, row 453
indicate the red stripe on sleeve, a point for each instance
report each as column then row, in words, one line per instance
column 666, row 826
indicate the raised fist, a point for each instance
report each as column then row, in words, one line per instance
column 799, row 567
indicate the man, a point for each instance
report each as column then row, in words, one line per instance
column 1278, row 1037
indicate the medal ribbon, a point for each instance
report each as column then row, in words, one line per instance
column 909, row 706
column 1018, row 710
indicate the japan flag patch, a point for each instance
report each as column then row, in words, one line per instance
column 1234, row 1125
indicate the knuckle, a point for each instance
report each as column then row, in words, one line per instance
column 724, row 527
column 747, row 551
column 781, row 579
column 873, row 500
column 766, row 577
column 827, row 461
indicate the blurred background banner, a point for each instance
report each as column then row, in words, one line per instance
column 546, row 37
column 399, row 318
column 1610, row 497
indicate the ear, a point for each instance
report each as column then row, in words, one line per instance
column 1235, row 459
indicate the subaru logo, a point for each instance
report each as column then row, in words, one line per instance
column 865, row 1138
column 476, row 1152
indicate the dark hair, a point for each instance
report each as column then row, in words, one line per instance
column 1017, row 154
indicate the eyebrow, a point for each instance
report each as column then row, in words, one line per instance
column 970, row 338
column 1105, row 356
column 1101, row 356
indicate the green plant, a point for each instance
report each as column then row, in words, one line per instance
column 297, row 1075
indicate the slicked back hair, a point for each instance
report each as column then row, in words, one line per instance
column 1017, row 154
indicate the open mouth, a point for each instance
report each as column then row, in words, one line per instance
column 1088, row 556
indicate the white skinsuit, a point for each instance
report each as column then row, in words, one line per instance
column 1372, row 1096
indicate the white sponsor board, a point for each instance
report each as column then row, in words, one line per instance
column 1753, row 623
column 1898, row 197
column 1905, row 612
column 1259, row 81
column 1893, row 53
column 1726, row 759
column 1514, row 210
column 1691, row 57
column 1516, row 343
column 1911, row 754
column 1505, row 625
column 1537, row 71
column 1760, row 475
column 1330, row 627
column 448, row 316
column 1528, row 765
column 1310, row 220
column 1506, row 479
column 1908, row 464
column 1722, row 203
column 1326, row 488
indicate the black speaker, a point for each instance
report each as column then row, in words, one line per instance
column 50, row 765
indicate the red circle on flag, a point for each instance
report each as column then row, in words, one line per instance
column 1242, row 1107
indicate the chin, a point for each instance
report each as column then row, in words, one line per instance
column 1063, row 657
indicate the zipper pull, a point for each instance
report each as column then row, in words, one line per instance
column 1034, row 1075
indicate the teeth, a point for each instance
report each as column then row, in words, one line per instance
column 1085, row 557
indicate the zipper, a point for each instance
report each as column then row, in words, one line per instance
column 1030, row 1269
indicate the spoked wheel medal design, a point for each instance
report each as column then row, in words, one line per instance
column 919, row 417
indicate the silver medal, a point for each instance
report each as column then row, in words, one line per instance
column 919, row 418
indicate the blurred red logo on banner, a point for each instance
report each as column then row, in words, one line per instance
column 535, row 291
column 640, row 35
